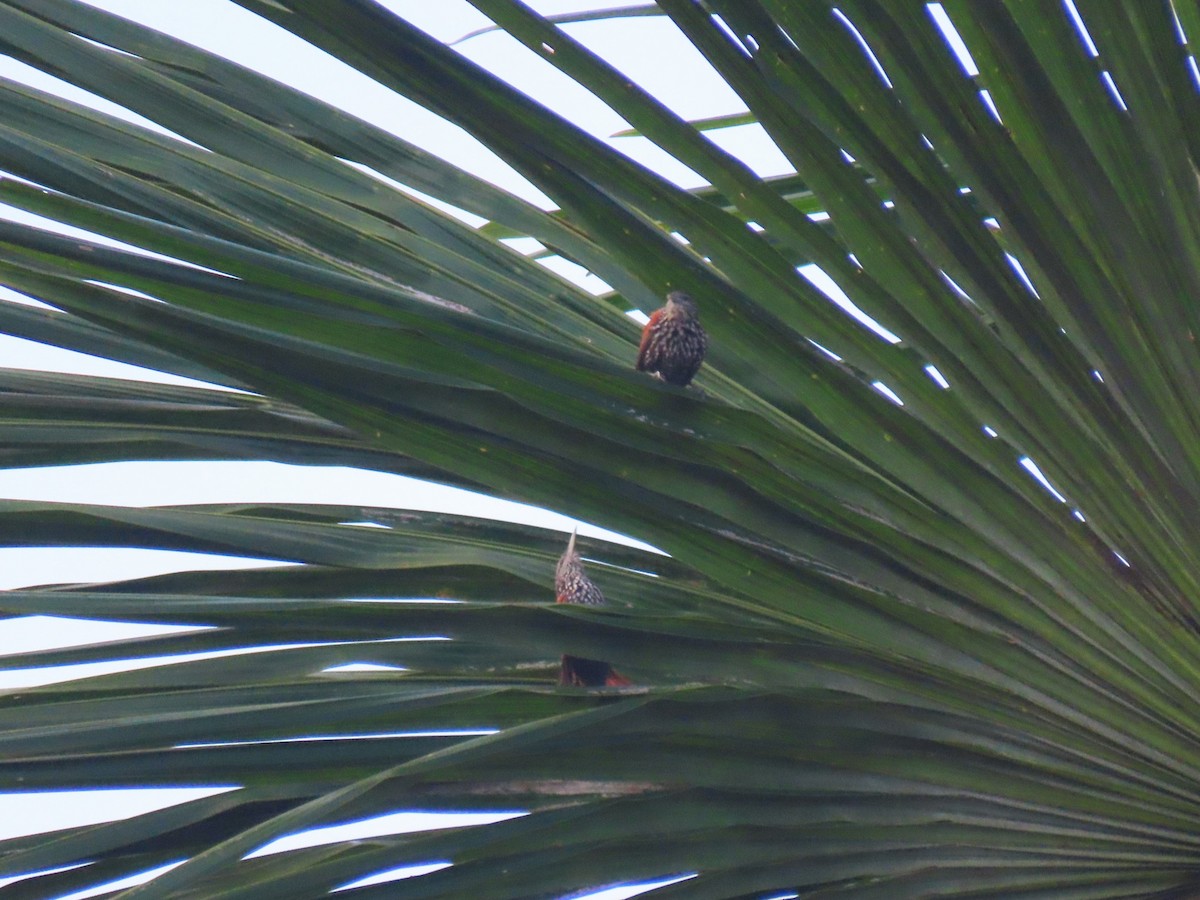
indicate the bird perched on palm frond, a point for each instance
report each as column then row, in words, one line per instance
column 571, row 585
column 673, row 341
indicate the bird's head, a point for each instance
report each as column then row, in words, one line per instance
column 570, row 558
column 678, row 301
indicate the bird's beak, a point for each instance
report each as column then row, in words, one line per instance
column 571, row 543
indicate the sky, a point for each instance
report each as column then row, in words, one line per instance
column 651, row 51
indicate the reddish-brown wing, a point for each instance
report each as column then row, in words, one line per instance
column 579, row 671
column 648, row 353
column 616, row 679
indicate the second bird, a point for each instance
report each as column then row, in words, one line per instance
column 673, row 341
column 571, row 585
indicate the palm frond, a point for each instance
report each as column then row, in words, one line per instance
column 882, row 659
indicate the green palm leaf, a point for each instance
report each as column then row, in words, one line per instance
column 881, row 659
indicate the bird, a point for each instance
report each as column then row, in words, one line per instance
column 572, row 585
column 673, row 341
